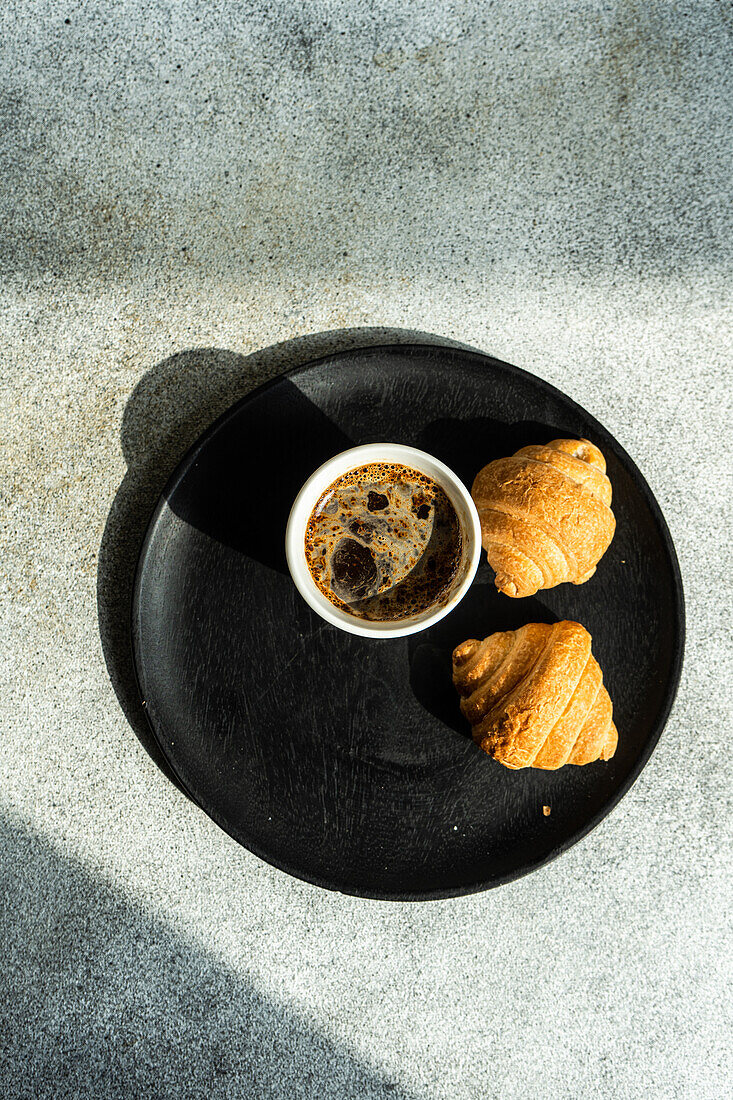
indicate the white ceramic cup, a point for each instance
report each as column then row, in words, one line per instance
column 307, row 499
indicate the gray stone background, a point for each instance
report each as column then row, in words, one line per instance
column 183, row 185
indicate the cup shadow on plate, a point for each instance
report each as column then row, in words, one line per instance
column 241, row 486
column 172, row 405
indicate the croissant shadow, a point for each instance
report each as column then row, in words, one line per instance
column 468, row 445
column 481, row 612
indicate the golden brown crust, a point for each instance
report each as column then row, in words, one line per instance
column 545, row 515
column 535, row 696
column 510, row 665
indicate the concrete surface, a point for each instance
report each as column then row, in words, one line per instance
column 548, row 182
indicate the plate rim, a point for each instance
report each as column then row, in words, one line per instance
column 480, row 358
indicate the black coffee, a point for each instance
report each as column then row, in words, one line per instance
column 384, row 543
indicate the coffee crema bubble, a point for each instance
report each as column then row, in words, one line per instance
column 384, row 543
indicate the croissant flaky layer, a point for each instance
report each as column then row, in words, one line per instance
column 535, row 696
column 545, row 515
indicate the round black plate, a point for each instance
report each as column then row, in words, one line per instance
column 344, row 760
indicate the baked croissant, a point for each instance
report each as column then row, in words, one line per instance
column 545, row 515
column 535, row 696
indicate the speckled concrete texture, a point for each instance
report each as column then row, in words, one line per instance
column 189, row 193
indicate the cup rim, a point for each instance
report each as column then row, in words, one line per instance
column 335, row 467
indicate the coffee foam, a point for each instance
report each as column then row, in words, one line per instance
column 384, row 542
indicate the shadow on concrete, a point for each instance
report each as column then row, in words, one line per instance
column 98, row 998
column 168, row 410
column 292, row 146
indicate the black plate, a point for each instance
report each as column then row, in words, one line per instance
column 345, row 760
